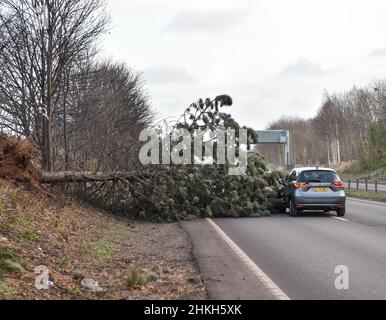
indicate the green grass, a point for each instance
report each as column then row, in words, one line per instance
column 56, row 222
column 6, row 292
column 30, row 235
column 102, row 248
column 22, row 221
column 65, row 262
column 370, row 195
column 9, row 262
column 14, row 199
column 135, row 279
column 1, row 209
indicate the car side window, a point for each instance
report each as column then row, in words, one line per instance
column 292, row 176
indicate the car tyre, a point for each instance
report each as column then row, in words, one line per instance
column 341, row 212
column 293, row 211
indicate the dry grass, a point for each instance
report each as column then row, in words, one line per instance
column 76, row 241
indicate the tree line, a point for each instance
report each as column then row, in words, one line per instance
column 348, row 126
column 80, row 112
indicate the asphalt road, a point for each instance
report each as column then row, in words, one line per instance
column 300, row 254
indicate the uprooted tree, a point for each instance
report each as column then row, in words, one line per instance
column 174, row 192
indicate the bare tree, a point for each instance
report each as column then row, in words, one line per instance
column 106, row 109
column 36, row 56
column 348, row 126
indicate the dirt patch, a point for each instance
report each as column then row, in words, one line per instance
column 75, row 241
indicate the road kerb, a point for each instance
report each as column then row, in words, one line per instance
column 276, row 292
column 366, row 201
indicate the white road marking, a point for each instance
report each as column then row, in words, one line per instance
column 267, row 282
column 339, row 218
column 367, row 201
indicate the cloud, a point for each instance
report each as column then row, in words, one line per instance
column 165, row 73
column 377, row 53
column 303, row 67
column 205, row 20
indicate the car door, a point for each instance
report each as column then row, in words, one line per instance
column 289, row 185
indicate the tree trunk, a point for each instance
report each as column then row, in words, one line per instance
column 47, row 133
column 86, row 176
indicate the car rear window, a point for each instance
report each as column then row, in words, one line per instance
column 317, row 176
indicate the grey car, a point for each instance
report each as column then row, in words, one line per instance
column 314, row 188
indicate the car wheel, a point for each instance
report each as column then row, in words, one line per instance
column 293, row 211
column 326, row 210
column 341, row 212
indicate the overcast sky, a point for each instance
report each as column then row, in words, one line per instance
column 274, row 57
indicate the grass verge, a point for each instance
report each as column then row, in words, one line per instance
column 370, row 195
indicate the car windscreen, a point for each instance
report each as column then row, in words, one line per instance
column 317, row 176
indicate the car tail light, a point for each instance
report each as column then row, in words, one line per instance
column 337, row 184
column 301, row 185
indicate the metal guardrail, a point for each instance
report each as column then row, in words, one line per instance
column 365, row 185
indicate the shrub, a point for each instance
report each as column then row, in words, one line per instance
column 134, row 277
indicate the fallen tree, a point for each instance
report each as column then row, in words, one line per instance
column 163, row 192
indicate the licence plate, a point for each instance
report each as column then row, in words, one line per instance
column 320, row 189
